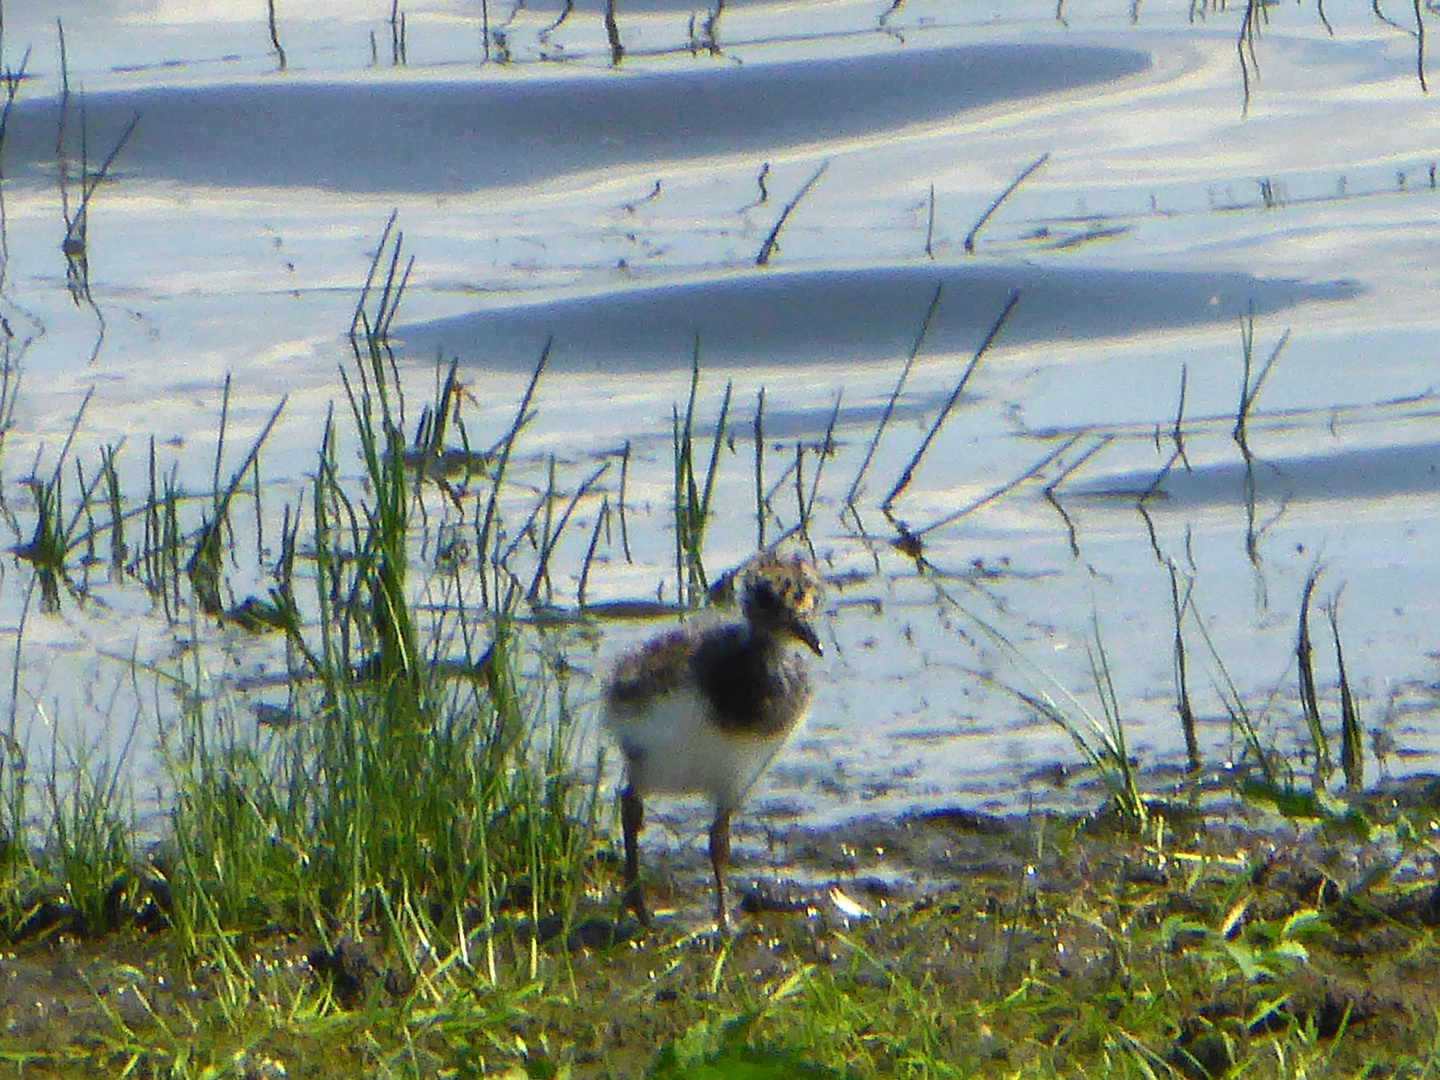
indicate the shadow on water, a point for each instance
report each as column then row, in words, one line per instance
column 848, row 315
column 1351, row 475
column 456, row 136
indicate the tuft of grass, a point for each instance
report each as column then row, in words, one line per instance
column 1100, row 739
column 692, row 492
column 87, row 851
column 51, row 541
column 425, row 792
column 205, row 566
column 1107, row 750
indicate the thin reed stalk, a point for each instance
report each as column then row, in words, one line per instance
column 1183, row 707
column 624, row 527
column 1250, row 389
column 492, row 569
column 908, row 473
column 889, row 408
column 1309, row 702
column 1240, row 718
column 772, row 241
column 1352, row 742
column 759, row 428
column 275, row 35
column 1034, row 472
column 980, row 223
column 930, row 226
column 1051, row 490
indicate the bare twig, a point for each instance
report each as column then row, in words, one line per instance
column 989, row 213
column 1245, row 48
column 1420, row 46
column 930, row 226
column 1052, row 489
column 772, row 241
column 612, row 34
column 275, row 34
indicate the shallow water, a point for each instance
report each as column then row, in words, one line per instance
column 621, row 212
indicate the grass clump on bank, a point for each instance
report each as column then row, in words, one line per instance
column 414, row 808
column 427, row 784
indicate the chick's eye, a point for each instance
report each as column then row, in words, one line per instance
column 764, row 597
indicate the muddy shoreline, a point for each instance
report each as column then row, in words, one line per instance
column 959, row 900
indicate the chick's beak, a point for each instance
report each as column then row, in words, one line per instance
column 805, row 633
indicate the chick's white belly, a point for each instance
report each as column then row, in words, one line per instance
column 671, row 745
